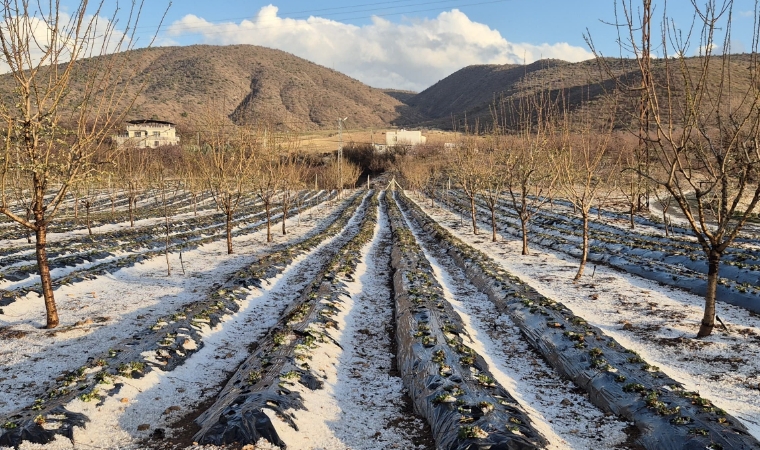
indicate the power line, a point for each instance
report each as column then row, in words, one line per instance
column 456, row 4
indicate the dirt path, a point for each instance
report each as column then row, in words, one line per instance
column 362, row 405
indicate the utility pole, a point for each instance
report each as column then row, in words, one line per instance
column 646, row 83
column 340, row 156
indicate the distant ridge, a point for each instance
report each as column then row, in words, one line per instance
column 252, row 83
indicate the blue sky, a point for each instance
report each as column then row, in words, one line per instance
column 411, row 44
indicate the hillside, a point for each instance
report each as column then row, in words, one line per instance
column 251, row 83
column 471, row 91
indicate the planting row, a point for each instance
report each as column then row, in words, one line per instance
column 675, row 262
column 449, row 383
column 76, row 215
column 616, row 379
column 281, row 359
column 170, row 341
column 122, row 248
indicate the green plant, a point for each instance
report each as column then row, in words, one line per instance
column 90, row 396
column 485, row 380
column 634, row 387
column 472, row 432
column 254, row 377
column 444, row 398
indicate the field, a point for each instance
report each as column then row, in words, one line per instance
column 378, row 321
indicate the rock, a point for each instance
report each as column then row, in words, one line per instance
column 566, row 402
column 143, row 427
column 124, row 400
column 627, row 326
column 86, row 321
column 158, row 434
column 189, row 344
column 171, row 409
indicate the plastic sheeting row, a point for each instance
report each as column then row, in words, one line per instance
column 281, row 359
column 171, row 340
column 449, row 383
column 616, row 379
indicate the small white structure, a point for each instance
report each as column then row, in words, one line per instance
column 404, row 137
column 148, row 133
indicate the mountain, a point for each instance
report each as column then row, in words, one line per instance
column 249, row 83
column 472, row 91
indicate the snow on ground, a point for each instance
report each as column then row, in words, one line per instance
column 96, row 314
column 563, row 415
column 656, row 321
column 362, row 405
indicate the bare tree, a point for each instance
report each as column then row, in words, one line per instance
column 704, row 115
column 585, row 166
column 468, row 170
column 528, row 178
column 228, row 162
column 268, row 175
column 55, row 128
column 132, row 167
column 293, row 179
column 631, row 184
column 493, row 182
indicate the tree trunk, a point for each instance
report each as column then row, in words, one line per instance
column 524, row 226
column 633, row 223
column 665, row 221
column 584, row 249
column 229, row 231
column 132, row 203
column 284, row 216
column 493, row 223
column 269, row 222
column 195, row 205
column 474, row 217
column 708, row 320
column 44, row 268
column 166, row 243
column 87, row 205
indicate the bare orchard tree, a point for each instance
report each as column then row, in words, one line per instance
column 54, row 126
column 132, row 168
column 293, row 180
column 494, row 182
column 268, row 174
column 529, row 179
column 227, row 162
column 585, row 164
column 414, row 172
column 630, row 183
column 468, row 170
column 704, row 137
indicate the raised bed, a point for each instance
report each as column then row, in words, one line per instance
column 617, row 379
column 671, row 261
column 449, row 383
column 171, row 340
column 282, row 357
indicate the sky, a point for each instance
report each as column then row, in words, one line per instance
column 412, row 44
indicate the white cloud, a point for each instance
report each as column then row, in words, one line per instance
column 33, row 37
column 410, row 55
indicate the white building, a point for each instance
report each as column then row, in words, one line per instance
column 148, row 133
column 404, row 137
